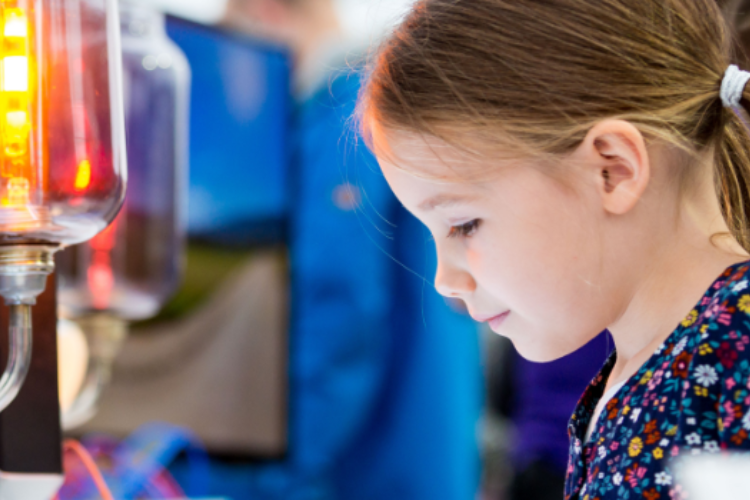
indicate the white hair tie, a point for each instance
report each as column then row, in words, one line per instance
column 733, row 85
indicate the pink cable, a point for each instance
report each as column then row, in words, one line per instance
column 88, row 462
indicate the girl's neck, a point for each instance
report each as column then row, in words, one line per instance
column 670, row 286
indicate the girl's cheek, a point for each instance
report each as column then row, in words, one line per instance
column 485, row 261
column 477, row 250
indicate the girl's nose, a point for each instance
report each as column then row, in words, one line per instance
column 452, row 282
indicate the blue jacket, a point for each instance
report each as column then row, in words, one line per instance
column 386, row 385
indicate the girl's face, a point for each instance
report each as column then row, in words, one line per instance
column 519, row 248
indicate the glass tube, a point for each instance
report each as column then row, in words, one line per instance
column 133, row 267
column 62, row 144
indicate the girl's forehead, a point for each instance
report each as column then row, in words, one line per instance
column 414, row 147
column 428, row 192
column 431, row 157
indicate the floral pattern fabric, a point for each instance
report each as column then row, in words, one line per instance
column 692, row 396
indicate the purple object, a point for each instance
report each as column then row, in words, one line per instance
column 544, row 398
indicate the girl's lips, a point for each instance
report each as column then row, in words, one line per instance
column 494, row 321
column 497, row 321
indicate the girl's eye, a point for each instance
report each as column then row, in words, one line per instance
column 464, row 230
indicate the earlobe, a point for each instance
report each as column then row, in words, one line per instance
column 618, row 153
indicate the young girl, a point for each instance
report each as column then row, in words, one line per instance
column 582, row 165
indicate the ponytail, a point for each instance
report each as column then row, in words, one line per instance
column 733, row 171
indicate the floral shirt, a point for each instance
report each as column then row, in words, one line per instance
column 691, row 396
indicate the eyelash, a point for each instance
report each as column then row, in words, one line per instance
column 465, row 230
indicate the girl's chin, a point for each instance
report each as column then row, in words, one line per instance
column 538, row 351
column 538, row 355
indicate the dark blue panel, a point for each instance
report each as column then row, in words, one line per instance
column 240, row 111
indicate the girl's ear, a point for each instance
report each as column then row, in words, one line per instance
column 615, row 152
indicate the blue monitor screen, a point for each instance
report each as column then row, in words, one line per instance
column 240, row 111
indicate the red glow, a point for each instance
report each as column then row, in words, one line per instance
column 105, row 241
column 101, row 280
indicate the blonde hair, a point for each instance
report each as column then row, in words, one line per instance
column 541, row 73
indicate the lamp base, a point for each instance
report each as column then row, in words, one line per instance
column 23, row 272
column 30, row 434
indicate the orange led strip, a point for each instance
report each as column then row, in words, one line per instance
column 15, row 104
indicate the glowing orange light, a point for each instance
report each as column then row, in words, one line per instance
column 18, row 191
column 16, row 172
column 16, row 74
column 16, row 24
column 17, row 120
column 83, row 177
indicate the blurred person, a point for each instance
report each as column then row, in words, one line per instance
column 385, row 377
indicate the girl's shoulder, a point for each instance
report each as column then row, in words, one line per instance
column 714, row 352
column 722, row 316
column 715, row 335
column 692, row 396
